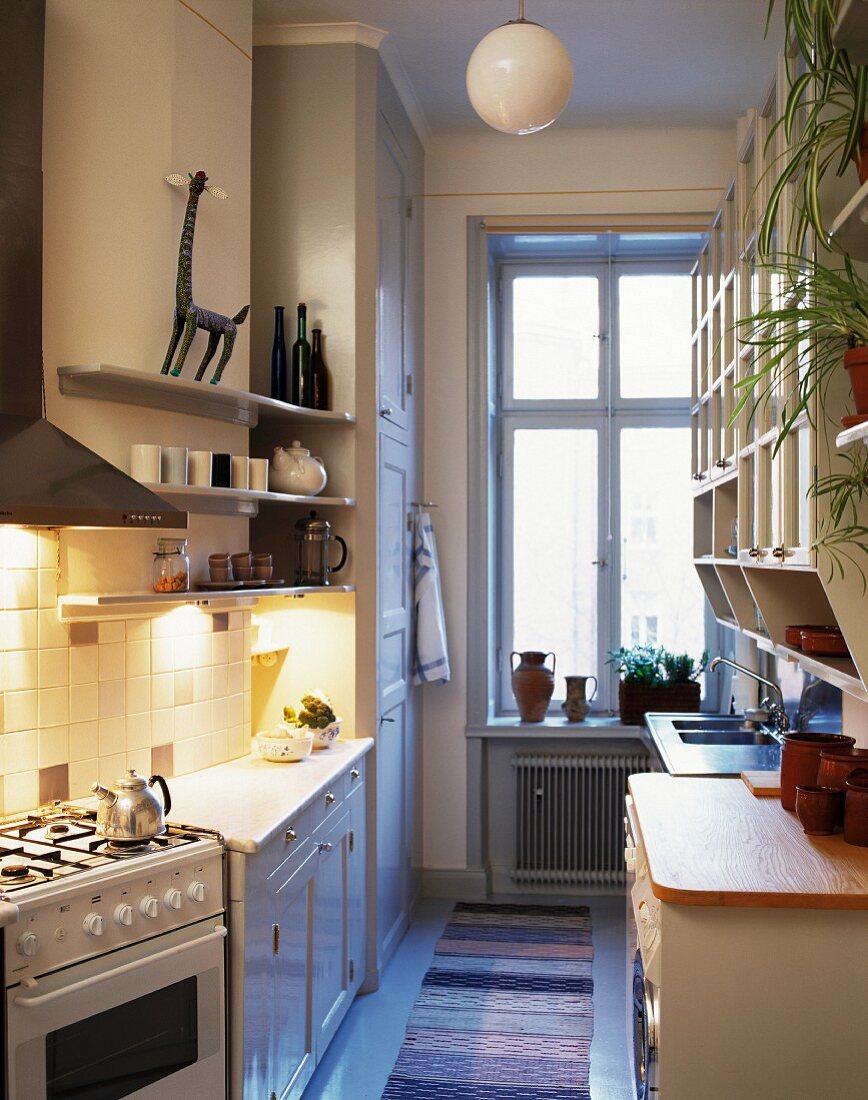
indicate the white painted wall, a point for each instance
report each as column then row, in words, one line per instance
column 555, row 172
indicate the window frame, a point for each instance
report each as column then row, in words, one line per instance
column 608, row 414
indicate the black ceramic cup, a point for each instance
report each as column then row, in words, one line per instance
column 221, row 470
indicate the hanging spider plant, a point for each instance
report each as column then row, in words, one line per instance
column 843, row 534
column 800, row 336
column 822, row 119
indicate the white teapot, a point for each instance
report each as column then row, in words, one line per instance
column 295, row 470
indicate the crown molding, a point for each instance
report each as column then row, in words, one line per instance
column 317, row 34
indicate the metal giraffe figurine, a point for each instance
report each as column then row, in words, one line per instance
column 188, row 316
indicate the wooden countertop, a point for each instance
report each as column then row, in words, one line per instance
column 710, row 842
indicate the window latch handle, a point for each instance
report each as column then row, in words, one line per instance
column 602, row 562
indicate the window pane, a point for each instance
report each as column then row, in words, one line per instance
column 654, row 334
column 555, row 345
column 554, row 543
column 661, row 598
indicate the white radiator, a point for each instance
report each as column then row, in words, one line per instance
column 569, row 817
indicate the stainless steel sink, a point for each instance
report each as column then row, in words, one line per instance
column 726, row 736
column 713, row 722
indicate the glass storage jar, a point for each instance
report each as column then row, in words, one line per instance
column 171, row 566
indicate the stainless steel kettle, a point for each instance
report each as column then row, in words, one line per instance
column 313, row 538
column 130, row 810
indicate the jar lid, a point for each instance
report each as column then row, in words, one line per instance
column 170, row 545
column 296, row 448
column 313, row 526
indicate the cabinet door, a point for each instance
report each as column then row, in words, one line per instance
column 356, row 893
column 331, row 995
column 393, row 697
column 292, row 1039
column 392, row 212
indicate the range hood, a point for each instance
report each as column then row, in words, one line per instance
column 47, row 478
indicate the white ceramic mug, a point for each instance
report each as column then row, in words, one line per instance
column 145, row 462
column 240, row 472
column 174, row 465
column 200, row 467
column 258, row 476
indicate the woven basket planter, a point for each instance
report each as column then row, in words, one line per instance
column 635, row 700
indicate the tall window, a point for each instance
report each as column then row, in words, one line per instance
column 594, row 545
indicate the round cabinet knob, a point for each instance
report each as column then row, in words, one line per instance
column 173, row 899
column 355, row 773
column 326, row 846
column 149, row 906
column 291, row 835
column 28, row 944
column 196, row 891
column 93, row 924
column 329, row 798
column 124, row 915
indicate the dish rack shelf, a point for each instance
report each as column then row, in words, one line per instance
column 92, row 607
column 206, row 499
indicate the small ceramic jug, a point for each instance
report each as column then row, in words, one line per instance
column 533, row 684
column 577, row 704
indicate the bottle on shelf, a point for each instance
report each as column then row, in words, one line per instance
column 319, row 373
column 278, row 359
column 301, row 376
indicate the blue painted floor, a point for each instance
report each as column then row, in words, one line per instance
column 362, row 1054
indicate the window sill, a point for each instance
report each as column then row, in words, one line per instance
column 558, row 728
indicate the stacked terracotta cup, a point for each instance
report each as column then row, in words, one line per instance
column 220, row 568
column 262, row 567
column 242, row 565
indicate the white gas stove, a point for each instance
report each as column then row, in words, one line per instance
column 113, row 960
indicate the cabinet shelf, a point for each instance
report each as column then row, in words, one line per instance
column 85, row 607
column 849, row 436
column 208, row 500
column 849, row 230
column 104, row 382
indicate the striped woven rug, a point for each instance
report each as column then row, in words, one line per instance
column 505, row 1011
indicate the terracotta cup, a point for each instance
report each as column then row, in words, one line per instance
column 856, row 808
column 800, row 760
column 835, row 767
column 817, row 808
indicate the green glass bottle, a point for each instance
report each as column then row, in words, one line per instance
column 302, row 381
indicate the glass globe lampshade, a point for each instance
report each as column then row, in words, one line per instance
column 519, row 77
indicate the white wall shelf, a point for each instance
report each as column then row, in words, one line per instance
column 849, row 231
column 210, row 500
column 90, row 607
column 104, row 382
column 859, row 432
column 851, row 31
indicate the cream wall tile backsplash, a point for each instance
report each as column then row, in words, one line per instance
column 86, row 701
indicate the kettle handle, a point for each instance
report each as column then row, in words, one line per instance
column 337, row 568
column 164, row 787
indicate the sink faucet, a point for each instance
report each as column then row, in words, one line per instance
column 777, row 713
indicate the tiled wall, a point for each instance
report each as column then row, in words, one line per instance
column 85, row 701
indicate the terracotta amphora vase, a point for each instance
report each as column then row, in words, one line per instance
column 533, row 683
column 577, row 704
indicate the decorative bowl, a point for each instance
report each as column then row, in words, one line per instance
column 284, row 749
column 324, row 738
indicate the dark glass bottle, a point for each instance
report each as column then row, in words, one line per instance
column 302, row 389
column 320, row 372
column 278, row 358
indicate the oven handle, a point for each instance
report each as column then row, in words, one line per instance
column 127, row 968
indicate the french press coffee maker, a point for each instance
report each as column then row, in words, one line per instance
column 312, row 540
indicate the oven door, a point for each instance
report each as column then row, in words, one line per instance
column 645, row 1004
column 143, row 1021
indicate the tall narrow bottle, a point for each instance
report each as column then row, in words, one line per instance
column 279, row 379
column 301, row 379
column 319, row 371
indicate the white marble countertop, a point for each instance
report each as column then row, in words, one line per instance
column 249, row 800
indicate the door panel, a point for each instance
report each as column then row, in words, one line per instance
column 392, row 847
column 356, row 924
column 330, row 957
column 391, row 278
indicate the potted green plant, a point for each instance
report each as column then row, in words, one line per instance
column 653, row 679
column 843, row 535
column 823, row 119
column 817, row 317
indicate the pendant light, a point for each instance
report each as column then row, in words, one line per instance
column 519, row 77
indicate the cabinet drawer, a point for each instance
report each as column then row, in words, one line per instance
column 332, row 796
column 292, row 846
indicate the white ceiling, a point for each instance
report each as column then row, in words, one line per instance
column 647, row 62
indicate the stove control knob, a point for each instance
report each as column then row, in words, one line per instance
column 149, row 906
column 93, row 924
column 196, row 891
column 124, row 915
column 28, row 944
column 173, row 899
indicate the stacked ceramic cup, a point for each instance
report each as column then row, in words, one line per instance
column 220, row 568
column 242, row 566
column 262, row 567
